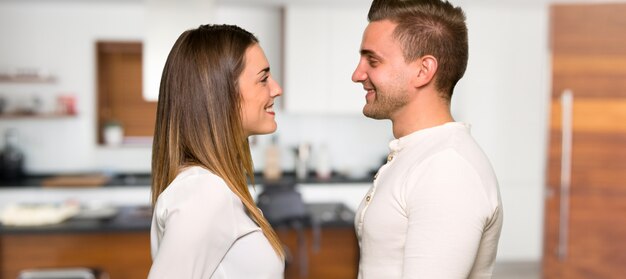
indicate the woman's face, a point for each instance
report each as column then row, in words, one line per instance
column 258, row 90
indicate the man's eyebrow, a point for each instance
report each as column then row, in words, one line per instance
column 367, row 52
column 266, row 70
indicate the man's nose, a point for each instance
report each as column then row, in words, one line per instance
column 358, row 75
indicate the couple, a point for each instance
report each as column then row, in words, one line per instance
column 433, row 210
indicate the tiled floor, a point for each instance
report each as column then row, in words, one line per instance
column 517, row 270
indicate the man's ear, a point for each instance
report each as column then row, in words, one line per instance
column 426, row 68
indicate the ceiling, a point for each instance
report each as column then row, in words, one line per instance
column 457, row 2
column 342, row 2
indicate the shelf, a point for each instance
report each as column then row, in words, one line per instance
column 9, row 116
column 26, row 79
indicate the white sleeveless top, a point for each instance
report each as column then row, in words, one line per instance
column 200, row 229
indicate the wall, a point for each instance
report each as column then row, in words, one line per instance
column 61, row 36
column 504, row 95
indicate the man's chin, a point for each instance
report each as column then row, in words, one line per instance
column 374, row 114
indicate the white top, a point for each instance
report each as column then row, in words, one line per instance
column 200, row 229
column 433, row 211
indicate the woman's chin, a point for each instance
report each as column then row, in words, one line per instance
column 272, row 127
column 263, row 130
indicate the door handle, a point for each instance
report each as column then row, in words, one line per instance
column 567, row 102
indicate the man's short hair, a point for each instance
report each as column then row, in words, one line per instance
column 429, row 27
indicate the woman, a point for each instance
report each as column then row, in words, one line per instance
column 216, row 90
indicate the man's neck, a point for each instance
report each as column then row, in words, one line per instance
column 421, row 115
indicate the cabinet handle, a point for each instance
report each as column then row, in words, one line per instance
column 567, row 101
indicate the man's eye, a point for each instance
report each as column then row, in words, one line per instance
column 265, row 79
column 372, row 62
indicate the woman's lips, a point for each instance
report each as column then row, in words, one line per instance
column 270, row 109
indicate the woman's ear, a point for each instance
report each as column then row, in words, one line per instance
column 426, row 68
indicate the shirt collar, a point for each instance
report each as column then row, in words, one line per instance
column 398, row 144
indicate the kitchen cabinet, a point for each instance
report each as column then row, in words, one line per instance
column 336, row 258
column 126, row 255
column 119, row 245
column 321, row 52
column 123, row 255
column 585, row 220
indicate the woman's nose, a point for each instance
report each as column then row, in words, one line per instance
column 276, row 90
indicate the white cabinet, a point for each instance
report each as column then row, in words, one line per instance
column 321, row 52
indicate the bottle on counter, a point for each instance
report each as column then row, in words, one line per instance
column 272, row 169
column 303, row 152
column 323, row 169
column 11, row 158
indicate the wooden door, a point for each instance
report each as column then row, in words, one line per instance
column 585, row 212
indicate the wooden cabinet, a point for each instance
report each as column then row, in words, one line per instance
column 321, row 52
column 585, row 211
column 126, row 255
column 336, row 258
column 123, row 255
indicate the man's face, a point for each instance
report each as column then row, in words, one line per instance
column 382, row 71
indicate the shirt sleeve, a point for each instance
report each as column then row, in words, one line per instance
column 445, row 204
column 198, row 225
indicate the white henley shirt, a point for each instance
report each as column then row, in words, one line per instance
column 433, row 211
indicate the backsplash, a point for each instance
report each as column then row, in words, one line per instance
column 354, row 143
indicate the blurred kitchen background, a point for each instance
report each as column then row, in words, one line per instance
column 75, row 129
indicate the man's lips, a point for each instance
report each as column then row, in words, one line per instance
column 369, row 96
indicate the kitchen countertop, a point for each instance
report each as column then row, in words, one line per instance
column 127, row 219
column 144, row 179
column 128, row 179
column 139, row 219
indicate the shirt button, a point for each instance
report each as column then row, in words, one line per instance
column 368, row 198
column 389, row 157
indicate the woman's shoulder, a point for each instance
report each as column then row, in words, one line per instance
column 196, row 172
column 199, row 194
column 196, row 183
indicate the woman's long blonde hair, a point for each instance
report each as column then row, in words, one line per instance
column 199, row 114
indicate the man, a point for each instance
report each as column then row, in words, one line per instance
column 434, row 209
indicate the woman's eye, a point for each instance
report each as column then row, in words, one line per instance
column 265, row 79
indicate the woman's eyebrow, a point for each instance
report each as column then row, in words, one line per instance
column 266, row 70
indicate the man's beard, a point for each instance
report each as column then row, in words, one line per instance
column 384, row 105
